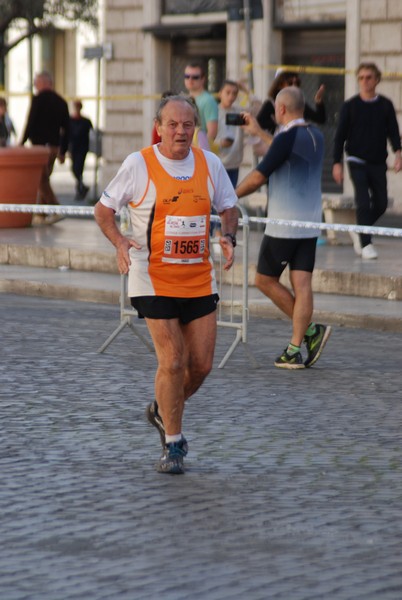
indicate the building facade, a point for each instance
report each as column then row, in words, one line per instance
column 152, row 41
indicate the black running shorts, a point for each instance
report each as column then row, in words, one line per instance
column 277, row 253
column 184, row 309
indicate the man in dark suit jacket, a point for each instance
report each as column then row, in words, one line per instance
column 48, row 125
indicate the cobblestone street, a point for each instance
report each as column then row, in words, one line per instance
column 293, row 487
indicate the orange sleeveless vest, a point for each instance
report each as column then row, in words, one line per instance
column 178, row 235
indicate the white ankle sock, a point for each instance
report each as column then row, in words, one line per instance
column 173, row 438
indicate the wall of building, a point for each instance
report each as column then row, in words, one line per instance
column 313, row 11
column 124, row 83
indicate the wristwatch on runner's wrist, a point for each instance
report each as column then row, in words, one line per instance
column 232, row 238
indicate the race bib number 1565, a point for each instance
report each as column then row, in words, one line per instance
column 185, row 239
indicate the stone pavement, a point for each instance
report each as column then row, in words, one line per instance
column 294, row 482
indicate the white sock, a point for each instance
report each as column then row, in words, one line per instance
column 173, row 438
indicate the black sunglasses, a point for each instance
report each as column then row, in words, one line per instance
column 192, row 76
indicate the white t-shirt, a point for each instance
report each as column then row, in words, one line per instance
column 132, row 186
column 129, row 184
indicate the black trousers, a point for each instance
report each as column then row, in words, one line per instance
column 371, row 197
column 78, row 160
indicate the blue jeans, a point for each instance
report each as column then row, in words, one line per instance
column 371, row 197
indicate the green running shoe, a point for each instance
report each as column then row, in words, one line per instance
column 289, row 361
column 315, row 343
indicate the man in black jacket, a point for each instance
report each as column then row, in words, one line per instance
column 48, row 125
column 366, row 122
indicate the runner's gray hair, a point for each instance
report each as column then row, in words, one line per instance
column 177, row 98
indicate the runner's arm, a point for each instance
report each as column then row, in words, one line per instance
column 229, row 222
column 105, row 218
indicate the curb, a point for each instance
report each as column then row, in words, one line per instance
column 257, row 308
column 349, row 283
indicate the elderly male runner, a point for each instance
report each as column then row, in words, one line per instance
column 293, row 165
column 169, row 189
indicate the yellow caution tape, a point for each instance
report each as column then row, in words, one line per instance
column 320, row 70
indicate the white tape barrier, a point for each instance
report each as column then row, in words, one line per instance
column 89, row 211
column 50, row 209
column 384, row 231
column 68, row 210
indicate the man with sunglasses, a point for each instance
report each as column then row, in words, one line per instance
column 366, row 122
column 194, row 80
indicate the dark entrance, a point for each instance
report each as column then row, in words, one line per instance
column 320, row 48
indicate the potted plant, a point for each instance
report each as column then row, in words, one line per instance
column 20, row 172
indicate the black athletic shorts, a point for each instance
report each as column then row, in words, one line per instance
column 277, row 253
column 184, row 309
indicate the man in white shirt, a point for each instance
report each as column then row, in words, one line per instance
column 169, row 189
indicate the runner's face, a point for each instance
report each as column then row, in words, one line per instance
column 176, row 129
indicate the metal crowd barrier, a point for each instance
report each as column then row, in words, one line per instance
column 226, row 307
column 127, row 314
column 226, row 312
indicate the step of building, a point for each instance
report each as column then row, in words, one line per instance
column 346, row 281
column 69, row 284
column 77, row 244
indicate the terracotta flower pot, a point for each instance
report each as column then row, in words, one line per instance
column 20, row 172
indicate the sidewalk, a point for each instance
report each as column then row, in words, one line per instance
column 72, row 259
